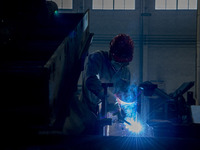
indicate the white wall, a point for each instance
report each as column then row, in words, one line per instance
column 168, row 51
column 165, row 41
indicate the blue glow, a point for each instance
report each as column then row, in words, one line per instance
column 141, row 88
column 135, row 126
column 56, row 12
column 129, row 105
column 72, row 34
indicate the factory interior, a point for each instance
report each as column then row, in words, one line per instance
column 44, row 45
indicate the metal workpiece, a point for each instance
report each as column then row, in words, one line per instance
column 104, row 111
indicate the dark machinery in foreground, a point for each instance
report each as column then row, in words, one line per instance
column 174, row 106
column 42, row 53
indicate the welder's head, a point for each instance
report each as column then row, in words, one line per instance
column 122, row 48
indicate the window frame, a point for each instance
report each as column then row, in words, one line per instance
column 113, row 7
column 61, row 8
column 177, row 7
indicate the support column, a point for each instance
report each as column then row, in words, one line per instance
column 145, row 16
column 197, row 85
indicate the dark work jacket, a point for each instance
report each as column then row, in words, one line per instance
column 97, row 70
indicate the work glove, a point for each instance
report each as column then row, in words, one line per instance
column 120, row 113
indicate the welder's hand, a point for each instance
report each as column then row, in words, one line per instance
column 113, row 107
column 121, row 115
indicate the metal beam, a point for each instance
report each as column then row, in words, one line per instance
column 198, row 57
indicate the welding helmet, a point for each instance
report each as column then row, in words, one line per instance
column 121, row 48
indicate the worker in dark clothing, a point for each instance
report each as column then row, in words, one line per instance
column 106, row 67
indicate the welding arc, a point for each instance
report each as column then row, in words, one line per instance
column 126, row 121
column 121, row 119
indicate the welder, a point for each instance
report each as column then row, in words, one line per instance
column 101, row 67
column 107, row 67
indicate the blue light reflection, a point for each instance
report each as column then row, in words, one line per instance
column 130, row 109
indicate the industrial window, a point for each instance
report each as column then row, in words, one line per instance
column 175, row 4
column 64, row 4
column 113, row 4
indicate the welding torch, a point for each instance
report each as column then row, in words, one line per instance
column 121, row 115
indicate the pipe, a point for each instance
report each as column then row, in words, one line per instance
column 197, row 89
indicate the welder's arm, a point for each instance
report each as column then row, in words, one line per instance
column 111, row 98
column 93, row 66
column 94, row 85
